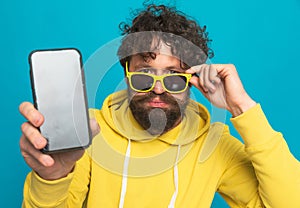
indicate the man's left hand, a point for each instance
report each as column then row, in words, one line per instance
column 221, row 85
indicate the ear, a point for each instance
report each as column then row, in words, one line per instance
column 126, row 80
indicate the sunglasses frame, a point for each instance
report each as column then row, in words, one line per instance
column 157, row 78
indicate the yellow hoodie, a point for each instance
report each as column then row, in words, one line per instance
column 127, row 167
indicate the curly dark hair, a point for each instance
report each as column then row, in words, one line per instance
column 188, row 41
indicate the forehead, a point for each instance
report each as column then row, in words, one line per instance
column 163, row 55
column 161, row 61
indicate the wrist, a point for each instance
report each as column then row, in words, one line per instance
column 56, row 174
column 241, row 107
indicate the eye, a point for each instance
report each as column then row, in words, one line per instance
column 174, row 71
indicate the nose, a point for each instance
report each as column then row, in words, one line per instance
column 158, row 88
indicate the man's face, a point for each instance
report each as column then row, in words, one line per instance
column 157, row 111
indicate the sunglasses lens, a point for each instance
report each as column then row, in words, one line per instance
column 141, row 82
column 175, row 83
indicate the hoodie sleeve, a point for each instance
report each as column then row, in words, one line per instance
column 276, row 169
column 65, row 192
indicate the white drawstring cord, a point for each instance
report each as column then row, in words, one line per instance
column 124, row 176
column 125, row 173
column 175, row 172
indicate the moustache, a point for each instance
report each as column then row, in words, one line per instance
column 164, row 97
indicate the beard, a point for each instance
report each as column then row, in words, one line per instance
column 156, row 120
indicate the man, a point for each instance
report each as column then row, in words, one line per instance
column 156, row 147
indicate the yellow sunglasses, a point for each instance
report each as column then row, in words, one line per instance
column 144, row 82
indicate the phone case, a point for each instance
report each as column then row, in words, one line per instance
column 58, row 88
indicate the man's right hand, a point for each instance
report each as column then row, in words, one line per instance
column 48, row 167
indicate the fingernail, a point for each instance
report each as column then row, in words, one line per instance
column 37, row 119
column 47, row 161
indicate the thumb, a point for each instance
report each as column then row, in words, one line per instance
column 95, row 128
column 195, row 81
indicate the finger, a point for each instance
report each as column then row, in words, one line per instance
column 224, row 70
column 213, row 75
column 33, row 135
column 33, row 156
column 207, row 82
column 195, row 81
column 95, row 128
column 201, row 80
column 31, row 114
column 196, row 69
column 199, row 70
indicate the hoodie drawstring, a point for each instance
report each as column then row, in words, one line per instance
column 175, row 175
column 124, row 175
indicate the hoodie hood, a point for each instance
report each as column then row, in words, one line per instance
column 125, row 148
column 118, row 116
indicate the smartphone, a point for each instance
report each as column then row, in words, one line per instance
column 58, row 88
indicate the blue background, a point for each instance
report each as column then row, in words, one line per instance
column 260, row 37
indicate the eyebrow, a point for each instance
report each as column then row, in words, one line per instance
column 174, row 67
column 144, row 65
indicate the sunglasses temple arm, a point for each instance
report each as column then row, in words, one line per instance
column 196, row 75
